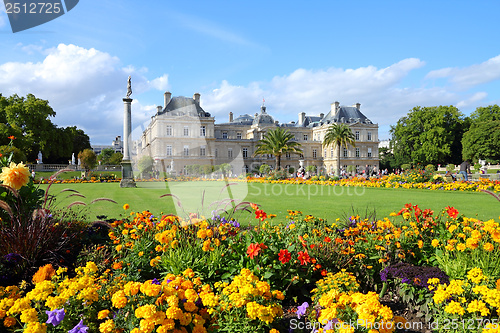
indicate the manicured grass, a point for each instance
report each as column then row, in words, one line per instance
column 322, row 201
column 74, row 174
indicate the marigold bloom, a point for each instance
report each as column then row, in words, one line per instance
column 44, row 273
column 126, row 206
column 15, row 175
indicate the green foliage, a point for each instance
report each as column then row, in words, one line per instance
column 105, row 155
column 278, row 142
column 450, row 167
column 17, row 155
column 264, row 169
column 430, row 167
column 311, row 168
column 387, row 160
column 145, row 164
column 116, row 159
column 482, row 141
column 28, row 119
column 405, row 166
column 88, row 159
column 429, row 135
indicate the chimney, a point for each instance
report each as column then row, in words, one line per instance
column 167, row 95
column 196, row 98
column 334, row 107
column 321, row 115
column 302, row 117
column 230, row 117
column 158, row 109
column 358, row 106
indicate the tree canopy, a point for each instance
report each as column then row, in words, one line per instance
column 278, row 142
column 28, row 119
column 482, row 140
column 429, row 135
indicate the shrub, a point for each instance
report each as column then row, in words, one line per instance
column 450, row 167
column 405, row 166
column 430, row 168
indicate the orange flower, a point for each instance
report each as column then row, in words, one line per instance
column 126, row 206
column 44, row 273
column 253, row 250
column 15, row 175
column 452, row 212
column 12, row 137
column 327, row 239
column 304, row 257
column 260, row 214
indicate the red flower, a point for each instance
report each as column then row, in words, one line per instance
column 285, row 256
column 253, row 250
column 260, row 214
column 324, row 272
column 327, row 239
column 304, row 257
column 452, row 212
column 12, row 137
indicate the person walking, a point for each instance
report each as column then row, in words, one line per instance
column 465, row 169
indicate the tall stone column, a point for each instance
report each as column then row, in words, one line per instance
column 127, row 172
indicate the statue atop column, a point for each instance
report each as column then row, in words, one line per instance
column 129, row 86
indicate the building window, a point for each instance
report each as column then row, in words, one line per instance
column 301, row 156
column 357, row 135
column 230, row 152
column 369, row 152
column 315, row 153
column 324, row 153
column 186, row 131
column 369, row 136
column 169, row 150
column 224, row 135
column 288, row 156
column 331, row 152
column 169, row 130
column 203, row 131
column 186, row 150
column 245, row 152
column 216, row 152
column 238, row 135
column 345, row 152
column 202, row 151
column 305, row 137
column 357, row 152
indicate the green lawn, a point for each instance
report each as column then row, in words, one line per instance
column 321, row 201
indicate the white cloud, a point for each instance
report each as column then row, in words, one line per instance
column 470, row 76
column 82, row 86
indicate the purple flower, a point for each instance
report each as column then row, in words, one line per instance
column 301, row 310
column 55, row 317
column 79, row 328
column 155, row 281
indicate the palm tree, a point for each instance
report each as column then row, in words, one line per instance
column 278, row 142
column 339, row 135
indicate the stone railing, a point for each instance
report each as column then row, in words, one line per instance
column 55, row 167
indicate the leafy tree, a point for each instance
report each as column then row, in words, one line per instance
column 482, row 140
column 28, row 119
column 429, row 135
column 145, row 164
column 338, row 135
column 116, row 158
column 105, row 155
column 88, row 159
column 278, row 142
column 387, row 160
column 17, row 155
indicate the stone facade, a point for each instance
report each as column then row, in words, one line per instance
column 182, row 133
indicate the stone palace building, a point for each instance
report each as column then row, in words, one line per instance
column 182, row 133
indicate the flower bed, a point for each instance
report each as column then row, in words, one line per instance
column 168, row 274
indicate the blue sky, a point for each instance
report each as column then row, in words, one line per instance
column 390, row 56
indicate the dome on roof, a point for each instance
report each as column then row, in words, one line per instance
column 263, row 117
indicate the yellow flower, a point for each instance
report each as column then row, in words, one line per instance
column 103, row 314
column 126, row 206
column 44, row 273
column 435, row 243
column 15, row 175
column 107, row 327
